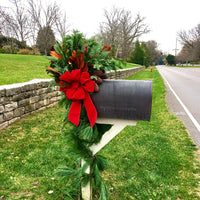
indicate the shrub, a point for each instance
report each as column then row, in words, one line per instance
column 33, row 51
column 8, row 49
column 36, row 51
column 3, row 51
column 8, row 41
column 25, row 52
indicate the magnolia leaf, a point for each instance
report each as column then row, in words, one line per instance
column 58, row 48
column 94, row 77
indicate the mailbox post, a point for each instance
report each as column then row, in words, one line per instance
column 120, row 103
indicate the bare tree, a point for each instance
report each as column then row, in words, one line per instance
column 191, row 43
column 44, row 19
column 131, row 29
column 109, row 30
column 43, row 16
column 120, row 30
column 185, row 38
column 185, row 55
column 24, row 19
column 15, row 21
column 8, row 28
column 47, row 16
column 21, row 20
column 35, row 10
column 155, row 53
column 4, row 19
column 62, row 26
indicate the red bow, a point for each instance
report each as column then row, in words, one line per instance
column 79, row 85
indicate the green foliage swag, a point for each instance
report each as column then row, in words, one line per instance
column 81, row 137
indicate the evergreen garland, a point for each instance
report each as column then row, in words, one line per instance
column 96, row 57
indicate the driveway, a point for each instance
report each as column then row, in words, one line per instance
column 183, row 96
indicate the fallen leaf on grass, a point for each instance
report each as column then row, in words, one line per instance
column 50, row 191
column 111, row 189
column 36, row 183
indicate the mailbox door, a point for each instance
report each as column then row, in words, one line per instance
column 124, row 99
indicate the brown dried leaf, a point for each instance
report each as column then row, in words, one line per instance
column 36, row 183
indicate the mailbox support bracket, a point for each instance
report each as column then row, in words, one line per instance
column 118, row 126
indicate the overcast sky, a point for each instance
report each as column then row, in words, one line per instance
column 164, row 17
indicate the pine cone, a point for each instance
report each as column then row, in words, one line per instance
column 96, row 88
column 100, row 73
column 97, row 80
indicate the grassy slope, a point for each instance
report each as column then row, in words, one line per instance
column 21, row 68
column 154, row 160
column 128, row 65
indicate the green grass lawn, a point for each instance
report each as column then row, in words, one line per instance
column 21, row 68
column 154, row 160
column 128, row 65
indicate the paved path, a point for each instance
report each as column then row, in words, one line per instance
column 183, row 96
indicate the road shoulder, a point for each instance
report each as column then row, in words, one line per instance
column 176, row 109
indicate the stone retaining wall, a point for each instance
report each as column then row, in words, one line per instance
column 124, row 73
column 22, row 99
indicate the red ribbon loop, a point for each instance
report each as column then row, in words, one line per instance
column 79, row 84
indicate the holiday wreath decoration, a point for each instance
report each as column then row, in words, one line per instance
column 78, row 65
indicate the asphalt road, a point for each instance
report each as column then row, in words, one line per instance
column 183, row 96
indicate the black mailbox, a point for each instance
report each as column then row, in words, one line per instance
column 124, row 99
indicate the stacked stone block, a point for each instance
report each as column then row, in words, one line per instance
column 123, row 73
column 20, row 100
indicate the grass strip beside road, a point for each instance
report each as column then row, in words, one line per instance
column 188, row 66
column 153, row 160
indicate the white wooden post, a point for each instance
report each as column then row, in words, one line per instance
column 118, row 126
column 86, row 190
